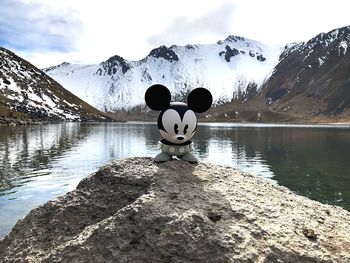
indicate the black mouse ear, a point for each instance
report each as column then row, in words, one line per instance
column 157, row 97
column 199, row 100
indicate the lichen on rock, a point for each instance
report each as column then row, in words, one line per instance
column 134, row 210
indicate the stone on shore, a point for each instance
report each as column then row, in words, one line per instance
column 134, row 210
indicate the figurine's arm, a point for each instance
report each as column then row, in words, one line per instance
column 192, row 147
column 160, row 145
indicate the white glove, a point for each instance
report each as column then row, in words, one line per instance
column 160, row 145
column 192, row 147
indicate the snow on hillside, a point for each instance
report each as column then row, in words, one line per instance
column 19, row 86
column 33, row 101
column 225, row 68
column 27, row 93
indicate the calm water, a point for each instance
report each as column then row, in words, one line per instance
column 39, row 163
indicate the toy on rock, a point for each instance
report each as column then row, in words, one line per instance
column 177, row 121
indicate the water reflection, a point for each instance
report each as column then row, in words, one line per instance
column 310, row 161
column 26, row 152
column 39, row 163
column 224, row 145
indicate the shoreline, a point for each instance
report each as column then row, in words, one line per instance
column 200, row 122
column 259, row 124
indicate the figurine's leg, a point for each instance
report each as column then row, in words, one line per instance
column 162, row 157
column 189, row 157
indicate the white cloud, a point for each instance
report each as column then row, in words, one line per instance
column 36, row 26
column 275, row 21
column 184, row 30
column 92, row 31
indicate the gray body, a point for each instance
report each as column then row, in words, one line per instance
column 183, row 152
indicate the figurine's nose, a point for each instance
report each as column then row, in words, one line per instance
column 180, row 138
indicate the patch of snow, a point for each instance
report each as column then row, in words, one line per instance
column 32, row 96
column 9, row 96
column 320, row 62
column 48, row 101
column 70, row 104
column 334, row 34
column 308, row 54
column 343, row 45
column 12, row 86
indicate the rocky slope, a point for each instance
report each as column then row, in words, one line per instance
column 313, row 76
column 136, row 211
column 229, row 69
column 309, row 84
column 28, row 95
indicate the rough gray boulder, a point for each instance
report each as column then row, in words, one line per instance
column 136, row 211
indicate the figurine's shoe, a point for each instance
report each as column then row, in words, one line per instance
column 189, row 157
column 162, row 157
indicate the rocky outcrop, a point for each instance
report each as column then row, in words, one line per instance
column 165, row 53
column 112, row 65
column 8, row 121
column 136, row 211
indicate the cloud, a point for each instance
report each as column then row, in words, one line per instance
column 37, row 26
column 184, row 30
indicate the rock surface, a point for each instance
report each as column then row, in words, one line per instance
column 136, row 211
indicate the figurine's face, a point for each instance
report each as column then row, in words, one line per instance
column 177, row 124
column 177, row 121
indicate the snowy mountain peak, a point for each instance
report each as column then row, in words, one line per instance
column 63, row 64
column 113, row 64
column 227, row 68
column 115, row 60
column 165, row 53
column 335, row 41
column 233, row 38
column 335, row 36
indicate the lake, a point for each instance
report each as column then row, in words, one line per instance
column 39, row 163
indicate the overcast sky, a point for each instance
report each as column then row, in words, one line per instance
column 48, row 32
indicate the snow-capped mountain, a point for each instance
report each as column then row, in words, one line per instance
column 310, row 83
column 313, row 75
column 229, row 69
column 28, row 93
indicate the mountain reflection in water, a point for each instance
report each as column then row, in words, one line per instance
column 39, row 163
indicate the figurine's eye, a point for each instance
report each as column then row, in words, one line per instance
column 176, row 129
column 186, row 128
column 190, row 122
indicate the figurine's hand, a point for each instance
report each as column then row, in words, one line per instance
column 192, row 147
column 160, row 145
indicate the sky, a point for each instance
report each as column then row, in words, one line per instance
column 49, row 32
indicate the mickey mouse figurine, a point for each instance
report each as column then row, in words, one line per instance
column 177, row 122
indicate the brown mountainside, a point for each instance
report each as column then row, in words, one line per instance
column 313, row 77
column 28, row 94
column 311, row 83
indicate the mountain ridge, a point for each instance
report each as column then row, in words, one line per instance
column 120, row 84
column 317, row 69
column 303, row 82
column 28, row 94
